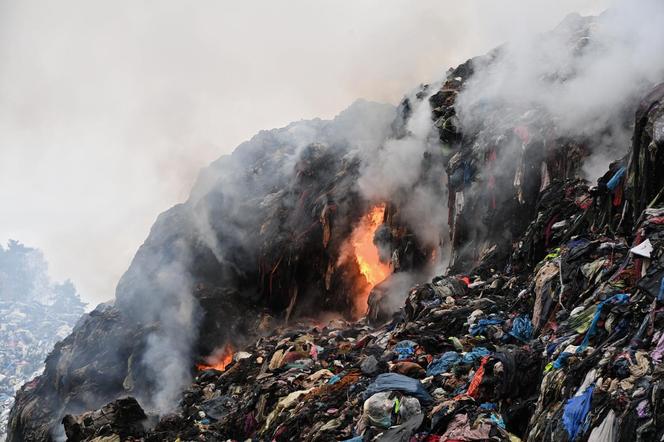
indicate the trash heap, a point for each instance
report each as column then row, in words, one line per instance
column 566, row 348
column 547, row 325
column 31, row 320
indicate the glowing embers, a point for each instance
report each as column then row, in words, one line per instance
column 218, row 360
column 366, row 255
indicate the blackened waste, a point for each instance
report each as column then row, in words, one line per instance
column 547, row 325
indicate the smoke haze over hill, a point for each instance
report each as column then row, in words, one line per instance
column 107, row 112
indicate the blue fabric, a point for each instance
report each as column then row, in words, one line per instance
column 577, row 242
column 480, row 326
column 467, row 173
column 354, row 439
column 405, row 349
column 398, row 382
column 522, row 328
column 576, row 411
column 561, row 361
column 334, row 379
column 433, row 303
column 488, row 406
column 443, row 364
column 615, row 179
column 498, row 420
column 621, row 298
column 472, row 356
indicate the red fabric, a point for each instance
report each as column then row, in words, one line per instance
column 474, row 388
column 584, row 202
column 617, row 196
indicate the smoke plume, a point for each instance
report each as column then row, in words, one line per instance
column 584, row 77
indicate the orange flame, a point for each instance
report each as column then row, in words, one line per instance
column 219, row 359
column 366, row 255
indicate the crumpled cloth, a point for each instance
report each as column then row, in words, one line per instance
column 473, row 389
column 522, row 328
column 636, row 371
column 461, row 429
column 405, row 349
column 399, row 382
column 545, row 274
column 443, row 364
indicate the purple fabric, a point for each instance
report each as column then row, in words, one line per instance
column 658, row 352
column 643, row 410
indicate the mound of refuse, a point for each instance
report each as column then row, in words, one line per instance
column 444, row 271
column 562, row 342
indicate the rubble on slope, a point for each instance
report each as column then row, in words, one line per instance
column 559, row 340
column 570, row 352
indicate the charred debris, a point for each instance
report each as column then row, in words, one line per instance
column 546, row 326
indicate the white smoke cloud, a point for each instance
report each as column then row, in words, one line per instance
column 168, row 351
column 108, row 111
column 396, row 164
column 586, row 76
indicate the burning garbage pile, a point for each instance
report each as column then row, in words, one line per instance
column 34, row 315
column 544, row 327
column 561, row 342
column 266, row 237
column 219, row 360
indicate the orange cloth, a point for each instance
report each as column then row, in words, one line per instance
column 473, row 389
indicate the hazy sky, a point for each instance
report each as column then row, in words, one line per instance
column 109, row 109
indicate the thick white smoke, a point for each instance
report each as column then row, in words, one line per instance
column 586, row 75
column 169, row 349
column 396, row 166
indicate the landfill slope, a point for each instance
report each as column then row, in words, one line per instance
column 546, row 326
column 560, row 341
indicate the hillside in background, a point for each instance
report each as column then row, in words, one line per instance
column 35, row 313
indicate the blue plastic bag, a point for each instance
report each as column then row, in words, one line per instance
column 576, row 411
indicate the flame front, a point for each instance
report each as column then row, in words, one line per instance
column 219, row 360
column 366, row 254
